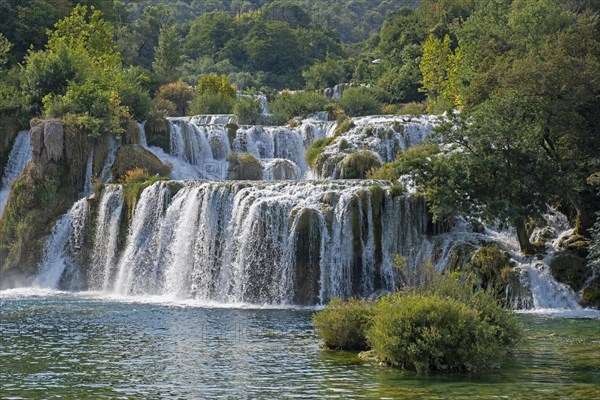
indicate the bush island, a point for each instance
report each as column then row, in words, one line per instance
column 444, row 325
column 289, row 105
column 360, row 101
column 247, row 111
column 343, row 324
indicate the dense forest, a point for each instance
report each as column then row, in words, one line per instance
column 521, row 132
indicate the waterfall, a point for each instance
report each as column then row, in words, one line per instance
column 63, row 249
column 105, row 238
column 106, row 174
column 17, row 159
column 269, row 243
column 89, row 168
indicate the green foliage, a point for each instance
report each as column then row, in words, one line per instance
column 439, row 69
column 324, row 74
column 133, row 190
column 360, row 101
column 301, row 104
column 316, row 148
column 214, row 95
column 167, row 56
column 5, row 47
column 343, row 324
column 593, row 258
column 247, row 110
column 356, row 165
column 445, row 327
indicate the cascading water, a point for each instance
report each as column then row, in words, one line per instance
column 104, row 252
column 17, row 159
column 63, row 249
column 270, row 243
column 300, row 242
column 89, row 169
column 106, row 173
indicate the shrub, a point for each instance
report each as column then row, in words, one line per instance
column 427, row 332
column 356, row 165
column 360, row 101
column 243, row 167
column 133, row 157
column 211, row 103
column 247, row 110
column 412, row 108
column 343, row 324
column 289, row 105
column 178, row 94
column 214, row 95
column 442, row 325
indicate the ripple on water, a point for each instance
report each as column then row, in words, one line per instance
column 54, row 343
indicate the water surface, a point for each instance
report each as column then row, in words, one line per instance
column 78, row 345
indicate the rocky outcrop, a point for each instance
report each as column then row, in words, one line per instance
column 134, row 156
column 570, row 269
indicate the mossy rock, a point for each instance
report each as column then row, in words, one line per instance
column 356, row 165
column 157, row 132
column 231, row 132
column 590, row 295
column 576, row 244
column 490, row 262
column 244, row 167
column 135, row 156
column 459, row 256
column 570, row 269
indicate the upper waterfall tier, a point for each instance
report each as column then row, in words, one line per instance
column 199, row 146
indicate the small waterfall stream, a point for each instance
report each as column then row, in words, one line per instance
column 17, row 159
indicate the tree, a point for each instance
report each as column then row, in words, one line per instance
column 209, row 33
column 177, row 93
column 214, row 95
column 5, row 47
column 167, row 56
column 324, row 74
column 438, row 67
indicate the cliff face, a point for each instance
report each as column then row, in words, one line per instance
column 47, row 188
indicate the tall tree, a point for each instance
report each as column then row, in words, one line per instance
column 167, row 56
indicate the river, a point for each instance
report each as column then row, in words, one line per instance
column 89, row 345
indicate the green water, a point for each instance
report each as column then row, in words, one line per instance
column 77, row 346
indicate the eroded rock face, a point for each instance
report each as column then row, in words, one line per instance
column 54, row 142
column 47, row 138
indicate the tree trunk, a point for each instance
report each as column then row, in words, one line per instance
column 585, row 219
column 526, row 246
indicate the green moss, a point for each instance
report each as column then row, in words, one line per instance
column 492, row 265
column 34, row 204
column 590, row 295
column 231, row 132
column 357, row 165
column 315, row 150
column 397, row 190
column 243, row 167
column 570, row 269
column 130, row 157
column 343, row 126
column 377, row 196
column 157, row 131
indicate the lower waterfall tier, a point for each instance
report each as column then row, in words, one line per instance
column 295, row 242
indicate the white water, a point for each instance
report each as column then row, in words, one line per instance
column 17, row 159
column 63, row 246
column 87, row 186
column 106, row 174
column 104, row 252
column 238, row 242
